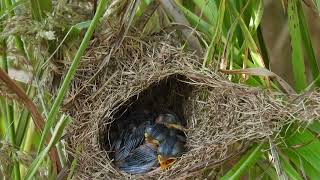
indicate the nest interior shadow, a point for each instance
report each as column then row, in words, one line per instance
column 169, row 95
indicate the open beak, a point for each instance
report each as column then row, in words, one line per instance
column 176, row 126
column 165, row 162
column 151, row 140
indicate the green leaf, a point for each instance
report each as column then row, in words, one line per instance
column 290, row 170
column 296, row 55
column 314, row 127
column 246, row 162
column 257, row 8
column 268, row 169
column 83, row 25
column 2, row 114
column 307, row 146
column 210, row 50
column 40, row 7
column 196, row 21
column 58, row 132
column 209, row 9
column 305, row 34
column 74, row 164
column 256, row 57
column 23, row 120
column 301, row 164
column 5, row 12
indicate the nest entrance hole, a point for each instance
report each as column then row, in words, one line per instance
column 169, row 95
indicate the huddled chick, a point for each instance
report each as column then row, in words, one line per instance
column 153, row 141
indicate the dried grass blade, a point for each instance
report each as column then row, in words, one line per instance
column 262, row 72
column 128, row 18
column 150, row 9
column 172, row 8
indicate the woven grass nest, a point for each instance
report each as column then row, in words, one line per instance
column 222, row 117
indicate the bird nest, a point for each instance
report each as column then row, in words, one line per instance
column 222, row 118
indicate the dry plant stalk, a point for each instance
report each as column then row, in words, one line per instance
column 36, row 116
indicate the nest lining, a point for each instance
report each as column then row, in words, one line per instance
column 219, row 114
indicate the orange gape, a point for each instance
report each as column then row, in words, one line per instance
column 164, row 164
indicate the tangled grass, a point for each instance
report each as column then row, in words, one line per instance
column 222, row 117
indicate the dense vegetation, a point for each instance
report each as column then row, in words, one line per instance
column 228, row 33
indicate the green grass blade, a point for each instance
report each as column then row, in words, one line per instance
column 2, row 115
column 210, row 50
column 257, row 8
column 196, row 21
column 67, row 80
column 247, row 161
column 26, row 147
column 9, row 118
column 22, row 126
column 207, row 29
column 267, row 169
column 189, row 5
column 301, row 164
column 289, row 169
column 308, row 147
column 72, row 34
column 172, row 9
column 315, row 127
column 36, row 11
column 256, row 57
column 11, row 8
column 210, row 10
column 23, row 120
column 58, row 132
column 296, row 55
column 305, row 34
column 73, row 167
column 317, row 3
column 40, row 7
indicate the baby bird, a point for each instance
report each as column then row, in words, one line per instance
column 164, row 125
column 141, row 160
column 170, row 121
column 171, row 148
column 147, row 140
column 127, row 141
column 156, row 133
